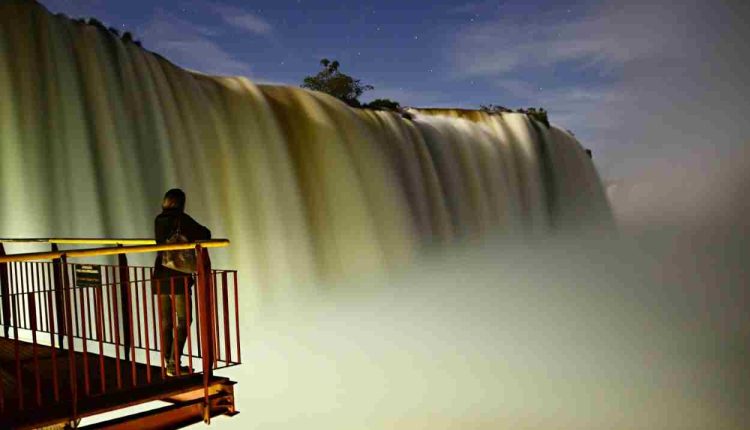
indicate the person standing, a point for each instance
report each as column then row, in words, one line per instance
column 174, row 312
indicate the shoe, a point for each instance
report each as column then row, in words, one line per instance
column 170, row 368
column 184, row 370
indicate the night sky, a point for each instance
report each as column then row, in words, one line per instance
column 641, row 83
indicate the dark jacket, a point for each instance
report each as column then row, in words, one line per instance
column 164, row 225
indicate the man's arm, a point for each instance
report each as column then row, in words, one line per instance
column 193, row 230
column 159, row 235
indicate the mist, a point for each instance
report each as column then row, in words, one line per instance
column 646, row 329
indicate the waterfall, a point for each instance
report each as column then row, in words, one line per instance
column 94, row 130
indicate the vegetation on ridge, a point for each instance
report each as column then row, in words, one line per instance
column 126, row 37
column 534, row 113
column 331, row 81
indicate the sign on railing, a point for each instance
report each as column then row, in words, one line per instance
column 88, row 275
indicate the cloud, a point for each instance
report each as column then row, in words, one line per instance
column 650, row 83
column 473, row 7
column 242, row 20
column 605, row 40
column 190, row 46
column 516, row 87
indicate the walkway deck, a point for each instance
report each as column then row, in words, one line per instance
column 19, row 412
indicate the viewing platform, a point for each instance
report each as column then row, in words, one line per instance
column 81, row 339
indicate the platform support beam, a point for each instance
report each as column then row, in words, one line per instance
column 5, row 293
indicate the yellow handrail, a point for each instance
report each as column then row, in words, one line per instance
column 80, row 241
column 31, row 256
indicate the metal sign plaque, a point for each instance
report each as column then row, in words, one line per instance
column 88, row 275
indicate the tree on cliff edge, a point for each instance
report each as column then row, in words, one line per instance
column 331, row 81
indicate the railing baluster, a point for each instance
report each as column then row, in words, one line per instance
column 5, row 298
column 204, row 304
column 154, row 309
column 34, row 352
column 45, row 285
column 237, row 317
column 188, row 320
column 129, row 300
column 110, row 305
column 24, row 295
column 69, row 323
column 113, row 292
column 175, row 332
column 163, row 351
column 88, row 292
column 55, row 385
column 145, row 325
column 197, row 321
column 74, row 309
column 85, row 339
column 99, row 334
column 125, row 303
column 5, row 293
column 214, row 317
column 17, row 343
column 12, row 272
column 225, row 302
column 59, row 299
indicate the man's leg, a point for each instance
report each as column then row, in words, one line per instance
column 183, row 323
column 167, row 330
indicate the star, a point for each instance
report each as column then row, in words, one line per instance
column 416, row 37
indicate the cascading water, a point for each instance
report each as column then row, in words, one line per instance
column 94, row 130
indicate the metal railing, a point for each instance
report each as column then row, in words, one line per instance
column 83, row 331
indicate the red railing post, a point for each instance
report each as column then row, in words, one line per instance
column 33, row 316
column 17, row 277
column 5, row 293
column 65, row 282
column 237, row 317
column 125, row 302
column 225, row 309
column 113, row 297
column 59, row 299
column 145, row 325
column 188, row 321
column 55, row 382
column 206, row 319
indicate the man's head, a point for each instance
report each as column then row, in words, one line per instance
column 174, row 199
